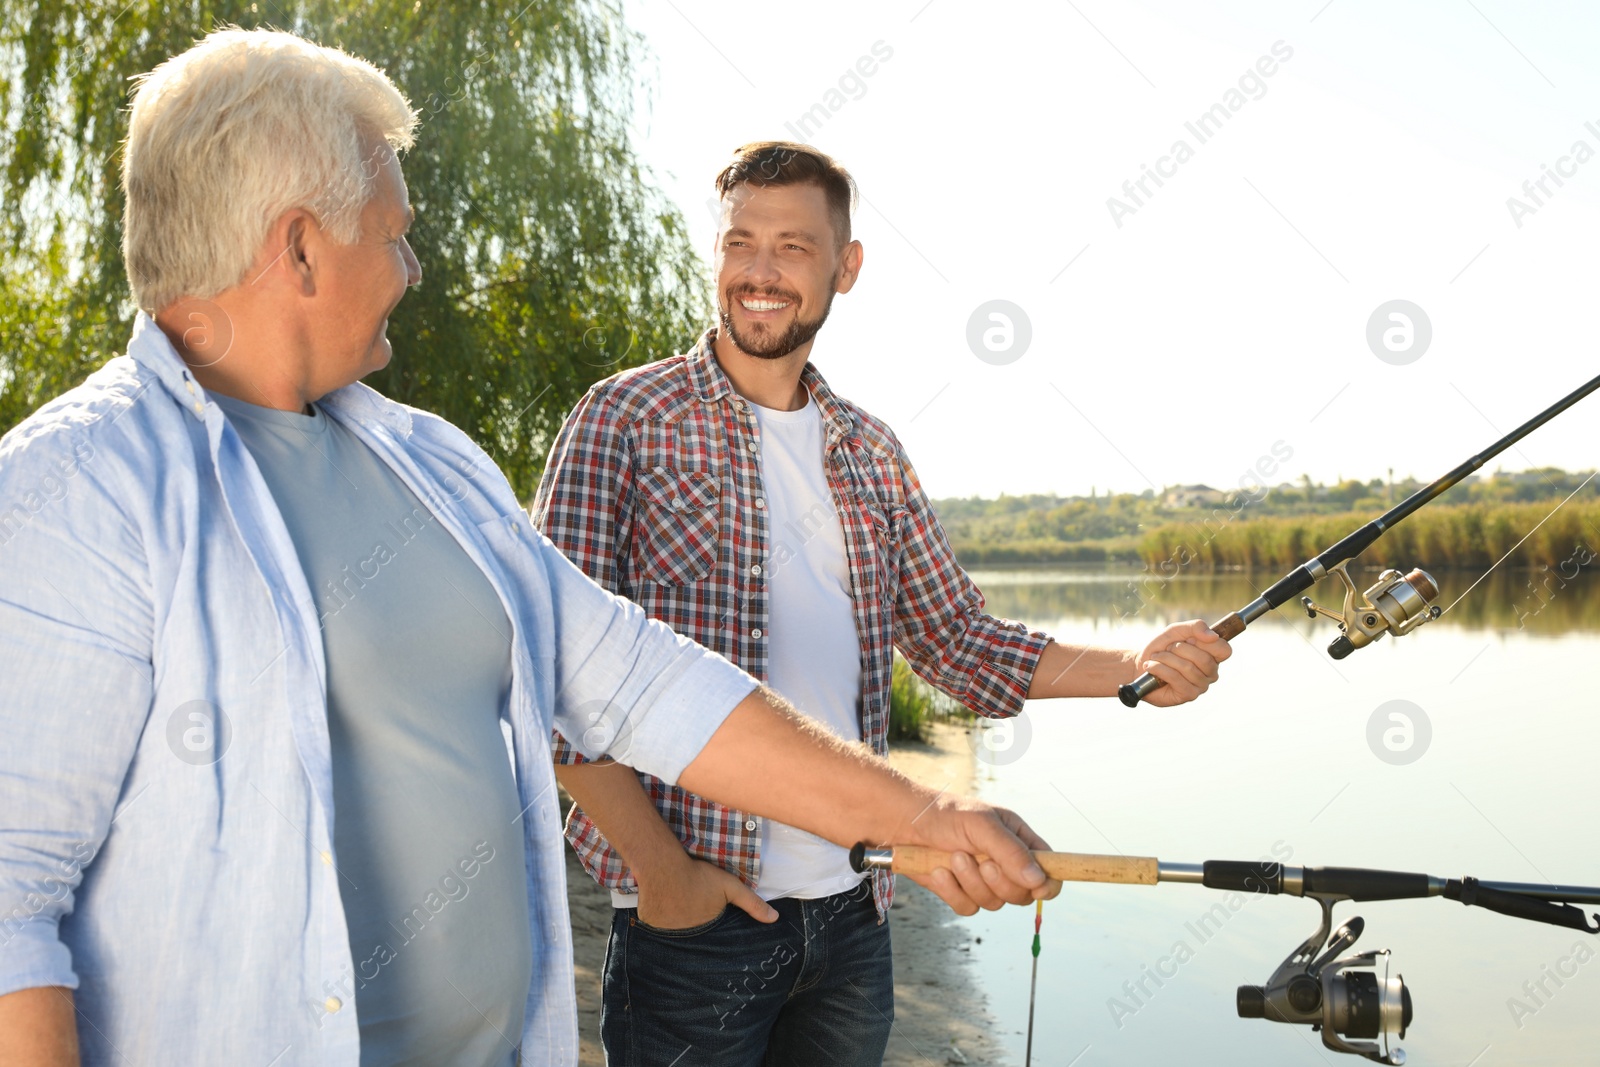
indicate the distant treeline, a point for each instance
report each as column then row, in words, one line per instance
column 1469, row 526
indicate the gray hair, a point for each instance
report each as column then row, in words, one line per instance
column 226, row 137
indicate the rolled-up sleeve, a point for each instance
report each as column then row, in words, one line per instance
column 940, row 626
column 627, row 686
column 75, row 689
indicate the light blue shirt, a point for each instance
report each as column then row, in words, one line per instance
column 166, row 787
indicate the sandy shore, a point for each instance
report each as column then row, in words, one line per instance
column 940, row 1015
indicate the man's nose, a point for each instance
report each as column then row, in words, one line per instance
column 762, row 268
column 413, row 267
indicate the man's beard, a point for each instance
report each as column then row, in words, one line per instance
column 769, row 345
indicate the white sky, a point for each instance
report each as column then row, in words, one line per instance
column 1229, row 312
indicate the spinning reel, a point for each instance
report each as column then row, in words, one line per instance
column 1395, row 603
column 1344, row 998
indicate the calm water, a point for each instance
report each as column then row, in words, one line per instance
column 1276, row 759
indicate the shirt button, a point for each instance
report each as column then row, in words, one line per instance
column 749, row 824
column 333, row 1004
column 754, row 446
column 756, row 632
column 677, row 502
column 761, row 502
column 327, row 857
column 191, row 388
column 755, row 568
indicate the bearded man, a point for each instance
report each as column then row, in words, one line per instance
column 737, row 498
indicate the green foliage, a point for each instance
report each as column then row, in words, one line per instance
column 1438, row 537
column 548, row 259
column 1041, row 518
column 914, row 704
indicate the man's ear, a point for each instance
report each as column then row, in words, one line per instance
column 303, row 236
column 291, row 252
column 849, row 266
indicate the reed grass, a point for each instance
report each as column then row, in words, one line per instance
column 914, row 705
column 1438, row 537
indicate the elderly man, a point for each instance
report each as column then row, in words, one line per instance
column 282, row 657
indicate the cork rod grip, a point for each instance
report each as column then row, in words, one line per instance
column 1228, row 627
column 1063, row 866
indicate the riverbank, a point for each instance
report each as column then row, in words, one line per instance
column 940, row 1013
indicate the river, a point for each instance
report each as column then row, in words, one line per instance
column 1491, row 773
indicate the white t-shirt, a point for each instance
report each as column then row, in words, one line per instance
column 813, row 651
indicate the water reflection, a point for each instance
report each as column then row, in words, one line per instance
column 1537, row 602
column 1278, row 759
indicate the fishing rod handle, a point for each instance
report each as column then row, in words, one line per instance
column 1130, row 693
column 1062, row 866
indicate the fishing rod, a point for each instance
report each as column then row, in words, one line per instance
column 1357, row 1010
column 1397, row 603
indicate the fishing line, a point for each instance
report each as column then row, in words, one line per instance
column 1396, row 603
column 1518, row 545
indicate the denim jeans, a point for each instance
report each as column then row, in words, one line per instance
column 814, row 989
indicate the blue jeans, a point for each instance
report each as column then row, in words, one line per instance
column 814, row 989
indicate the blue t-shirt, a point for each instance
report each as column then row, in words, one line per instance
column 427, row 833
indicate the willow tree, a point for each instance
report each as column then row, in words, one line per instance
column 549, row 259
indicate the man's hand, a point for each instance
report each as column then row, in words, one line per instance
column 768, row 759
column 687, row 892
column 1185, row 657
column 966, row 828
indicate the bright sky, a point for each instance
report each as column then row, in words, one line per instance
column 1228, row 312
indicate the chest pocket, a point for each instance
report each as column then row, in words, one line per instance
column 888, row 523
column 679, row 525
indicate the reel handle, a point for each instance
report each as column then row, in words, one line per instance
column 1130, row 693
column 1062, row 866
column 1471, row 892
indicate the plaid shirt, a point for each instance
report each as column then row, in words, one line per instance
column 654, row 488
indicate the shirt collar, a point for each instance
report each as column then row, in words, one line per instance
column 149, row 347
column 710, row 383
column 706, row 376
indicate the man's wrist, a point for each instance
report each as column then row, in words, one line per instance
column 926, row 804
column 1130, row 670
column 659, row 864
